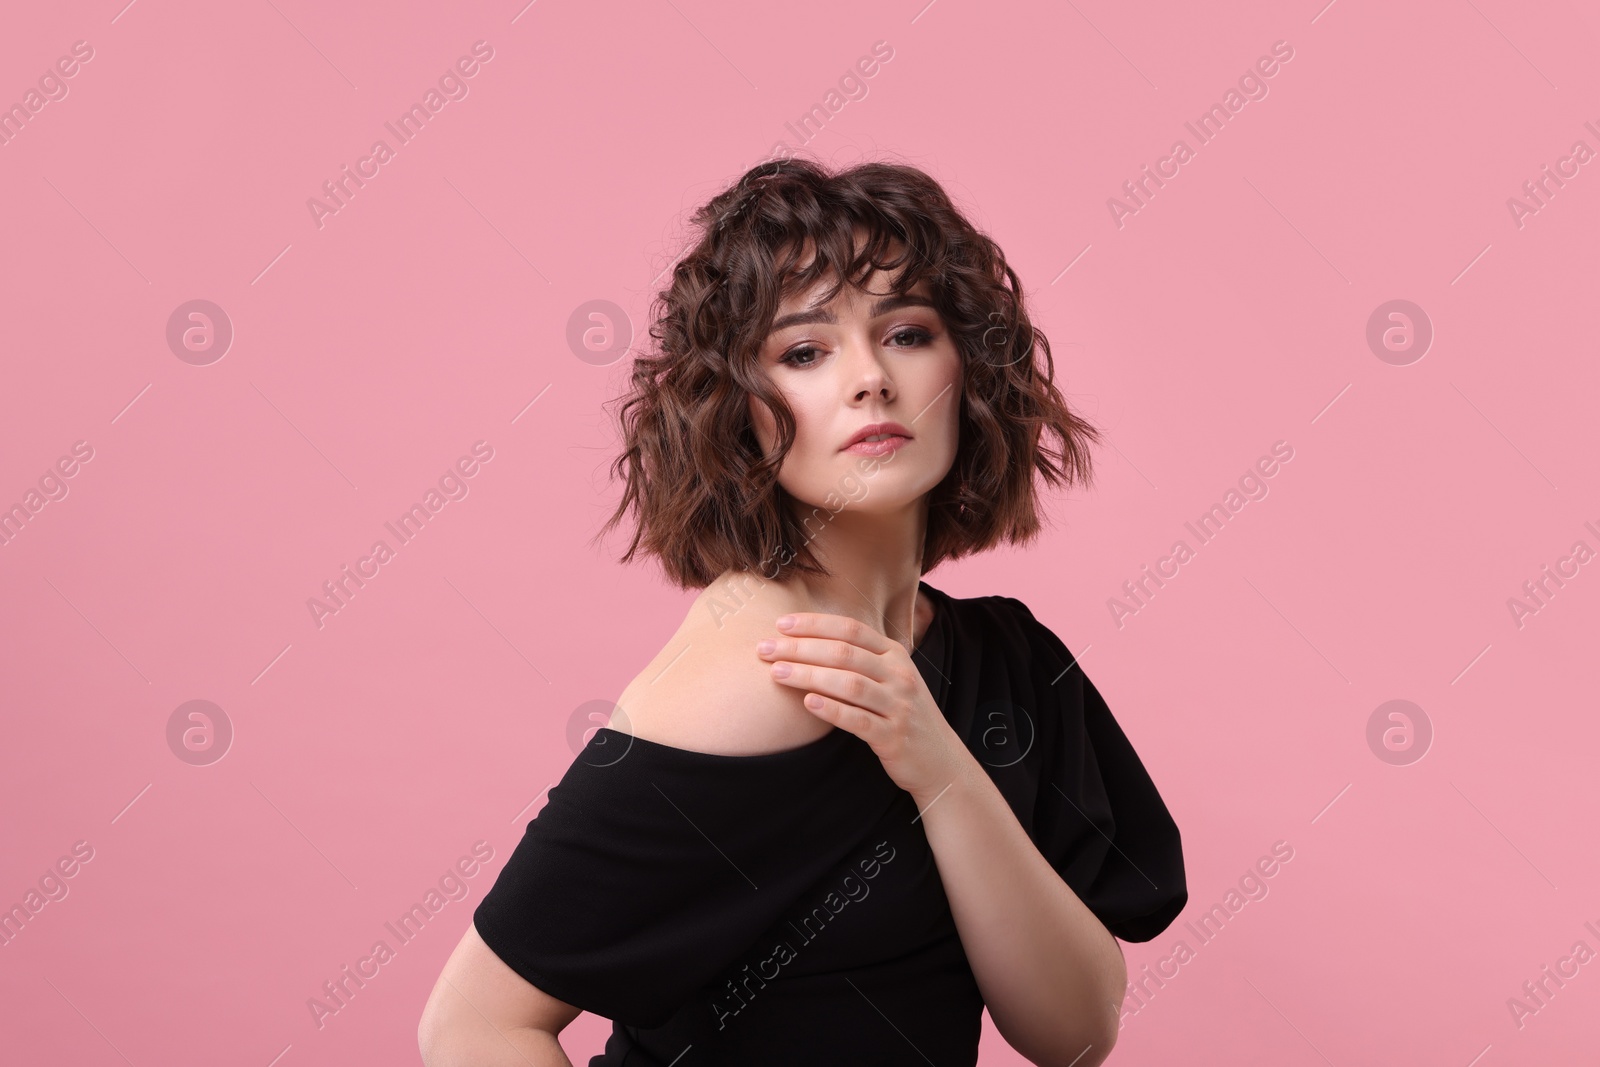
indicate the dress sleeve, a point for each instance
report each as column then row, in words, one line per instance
column 644, row 876
column 1098, row 817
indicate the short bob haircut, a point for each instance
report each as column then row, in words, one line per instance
column 707, row 498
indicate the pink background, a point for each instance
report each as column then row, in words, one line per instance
column 432, row 311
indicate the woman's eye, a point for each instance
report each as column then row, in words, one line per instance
column 790, row 357
column 916, row 333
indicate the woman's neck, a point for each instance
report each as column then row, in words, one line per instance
column 875, row 565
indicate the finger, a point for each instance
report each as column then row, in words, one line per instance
column 839, row 627
column 827, row 652
column 858, row 721
column 847, row 687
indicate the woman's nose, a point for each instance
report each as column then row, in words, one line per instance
column 867, row 371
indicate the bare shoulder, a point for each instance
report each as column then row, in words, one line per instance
column 708, row 691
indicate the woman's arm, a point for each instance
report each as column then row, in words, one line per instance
column 1051, row 974
column 481, row 1013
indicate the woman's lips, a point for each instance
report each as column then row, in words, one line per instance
column 878, row 448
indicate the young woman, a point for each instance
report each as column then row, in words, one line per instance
column 842, row 811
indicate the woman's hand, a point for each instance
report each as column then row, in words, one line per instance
column 859, row 680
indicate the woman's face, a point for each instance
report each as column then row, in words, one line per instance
column 863, row 358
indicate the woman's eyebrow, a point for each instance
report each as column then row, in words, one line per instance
column 887, row 304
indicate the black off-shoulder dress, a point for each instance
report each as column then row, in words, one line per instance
column 785, row 908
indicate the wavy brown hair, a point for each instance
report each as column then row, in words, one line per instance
column 707, row 499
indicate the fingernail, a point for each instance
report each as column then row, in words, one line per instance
column 785, row 622
column 780, row 670
column 766, row 646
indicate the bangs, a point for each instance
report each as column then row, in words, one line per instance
column 838, row 254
